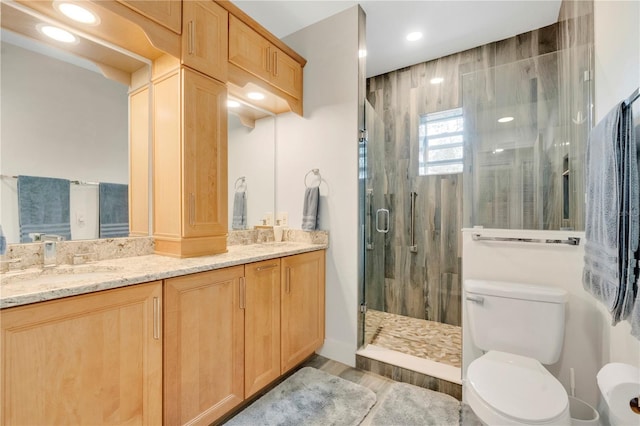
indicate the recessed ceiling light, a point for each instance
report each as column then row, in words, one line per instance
column 505, row 119
column 416, row 35
column 498, row 150
column 232, row 103
column 436, row 80
column 77, row 13
column 362, row 53
column 57, row 34
column 256, row 96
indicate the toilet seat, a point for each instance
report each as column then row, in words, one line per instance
column 515, row 388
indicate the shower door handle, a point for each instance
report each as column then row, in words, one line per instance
column 380, row 212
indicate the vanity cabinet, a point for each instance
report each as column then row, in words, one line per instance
column 93, row 359
column 205, row 38
column 231, row 332
column 302, row 307
column 262, row 325
column 204, row 346
column 252, row 52
column 167, row 13
column 190, row 164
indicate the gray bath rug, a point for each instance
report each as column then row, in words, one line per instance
column 309, row 397
column 408, row 405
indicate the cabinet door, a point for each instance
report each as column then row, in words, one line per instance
column 262, row 325
column 302, row 310
column 204, row 346
column 88, row 360
column 164, row 12
column 205, row 38
column 286, row 73
column 248, row 49
column 205, row 156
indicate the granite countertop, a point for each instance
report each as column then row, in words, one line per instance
column 37, row 285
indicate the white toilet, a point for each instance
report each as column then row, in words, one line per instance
column 519, row 327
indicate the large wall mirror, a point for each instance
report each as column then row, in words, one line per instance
column 62, row 118
column 251, row 151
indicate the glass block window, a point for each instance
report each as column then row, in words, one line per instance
column 441, row 135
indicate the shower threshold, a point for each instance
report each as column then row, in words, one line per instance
column 424, row 366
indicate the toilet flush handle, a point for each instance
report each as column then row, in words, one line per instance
column 476, row 299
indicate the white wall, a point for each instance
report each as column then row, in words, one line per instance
column 59, row 120
column 617, row 74
column 327, row 138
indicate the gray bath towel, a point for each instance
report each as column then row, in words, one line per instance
column 114, row 210
column 634, row 222
column 629, row 213
column 601, row 275
column 43, row 207
column 239, row 220
column 310, row 208
column 612, row 225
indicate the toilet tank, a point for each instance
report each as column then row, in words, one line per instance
column 523, row 319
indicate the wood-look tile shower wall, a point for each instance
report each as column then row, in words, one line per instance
column 427, row 284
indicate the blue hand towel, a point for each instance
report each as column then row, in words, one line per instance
column 239, row 220
column 43, row 206
column 600, row 274
column 114, row 210
column 310, row 209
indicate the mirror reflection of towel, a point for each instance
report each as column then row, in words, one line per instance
column 43, row 207
column 310, row 209
column 114, row 210
column 239, row 220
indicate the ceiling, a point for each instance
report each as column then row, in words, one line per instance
column 449, row 26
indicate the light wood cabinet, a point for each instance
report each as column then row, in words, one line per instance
column 167, row 13
column 252, row 52
column 262, row 325
column 190, row 164
column 302, row 307
column 205, row 38
column 204, row 346
column 93, row 359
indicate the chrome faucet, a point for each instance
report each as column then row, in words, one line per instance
column 49, row 249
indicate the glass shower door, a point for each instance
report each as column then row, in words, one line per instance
column 376, row 219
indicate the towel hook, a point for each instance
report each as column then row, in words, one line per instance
column 315, row 172
column 242, row 181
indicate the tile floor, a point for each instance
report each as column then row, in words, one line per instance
column 425, row 339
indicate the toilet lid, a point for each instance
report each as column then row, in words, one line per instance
column 517, row 386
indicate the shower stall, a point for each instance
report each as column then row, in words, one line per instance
column 412, row 223
column 514, row 134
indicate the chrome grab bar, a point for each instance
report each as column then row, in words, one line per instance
column 413, row 248
column 571, row 241
column 386, row 228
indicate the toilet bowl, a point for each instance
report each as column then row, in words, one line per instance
column 509, row 389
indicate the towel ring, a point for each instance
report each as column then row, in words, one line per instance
column 315, row 172
column 242, row 181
